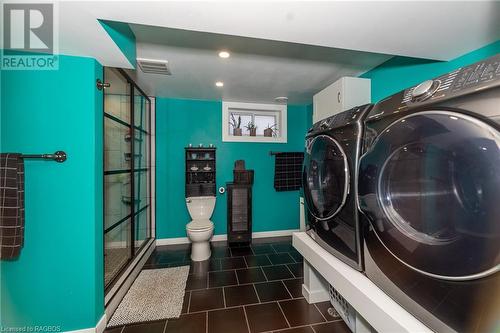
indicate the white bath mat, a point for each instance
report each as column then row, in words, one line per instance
column 155, row 294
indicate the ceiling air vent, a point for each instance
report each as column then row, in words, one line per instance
column 154, row 66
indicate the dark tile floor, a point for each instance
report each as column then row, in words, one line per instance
column 245, row 289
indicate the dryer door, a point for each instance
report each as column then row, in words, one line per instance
column 430, row 185
column 325, row 177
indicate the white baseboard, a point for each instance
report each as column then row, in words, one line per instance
column 260, row 234
column 85, row 330
column 185, row 240
column 100, row 327
column 274, row 233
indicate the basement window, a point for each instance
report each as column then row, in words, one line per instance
column 269, row 120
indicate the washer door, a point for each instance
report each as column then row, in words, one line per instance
column 325, row 177
column 430, row 186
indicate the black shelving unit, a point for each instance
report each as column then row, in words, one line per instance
column 200, row 171
column 239, row 213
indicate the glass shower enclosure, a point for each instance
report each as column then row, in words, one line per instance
column 127, row 172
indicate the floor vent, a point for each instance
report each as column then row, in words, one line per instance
column 154, row 66
column 344, row 309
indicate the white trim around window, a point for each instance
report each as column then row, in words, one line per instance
column 278, row 110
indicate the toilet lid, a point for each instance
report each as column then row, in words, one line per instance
column 199, row 225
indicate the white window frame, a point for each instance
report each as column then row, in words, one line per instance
column 280, row 110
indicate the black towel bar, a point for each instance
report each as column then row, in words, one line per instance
column 58, row 156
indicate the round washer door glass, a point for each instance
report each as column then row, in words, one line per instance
column 325, row 177
column 431, row 186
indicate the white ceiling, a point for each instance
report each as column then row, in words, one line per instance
column 81, row 34
column 260, row 69
column 435, row 30
column 257, row 71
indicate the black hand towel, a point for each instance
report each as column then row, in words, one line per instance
column 288, row 171
column 11, row 205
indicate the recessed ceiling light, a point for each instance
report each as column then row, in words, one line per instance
column 219, row 84
column 224, row 54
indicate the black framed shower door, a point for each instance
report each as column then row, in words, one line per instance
column 127, row 172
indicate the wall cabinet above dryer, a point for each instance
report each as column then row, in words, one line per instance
column 342, row 95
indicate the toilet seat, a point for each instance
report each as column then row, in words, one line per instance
column 199, row 225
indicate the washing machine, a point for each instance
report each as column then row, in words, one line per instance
column 429, row 191
column 332, row 150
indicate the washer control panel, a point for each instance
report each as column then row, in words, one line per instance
column 464, row 80
column 424, row 90
column 340, row 119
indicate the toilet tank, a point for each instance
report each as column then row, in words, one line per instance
column 200, row 207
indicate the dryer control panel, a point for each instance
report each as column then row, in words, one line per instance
column 464, row 80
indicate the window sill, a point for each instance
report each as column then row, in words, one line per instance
column 247, row 138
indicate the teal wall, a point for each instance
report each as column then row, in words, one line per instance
column 58, row 278
column 399, row 73
column 123, row 37
column 180, row 122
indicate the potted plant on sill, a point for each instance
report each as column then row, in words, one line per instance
column 270, row 131
column 251, row 128
column 236, row 125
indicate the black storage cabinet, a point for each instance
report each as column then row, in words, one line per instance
column 239, row 213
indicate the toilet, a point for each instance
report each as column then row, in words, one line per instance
column 200, row 229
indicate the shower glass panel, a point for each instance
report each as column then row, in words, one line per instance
column 142, row 168
column 127, row 211
column 142, row 230
column 117, row 180
column 117, row 250
column 116, row 198
column 116, row 149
